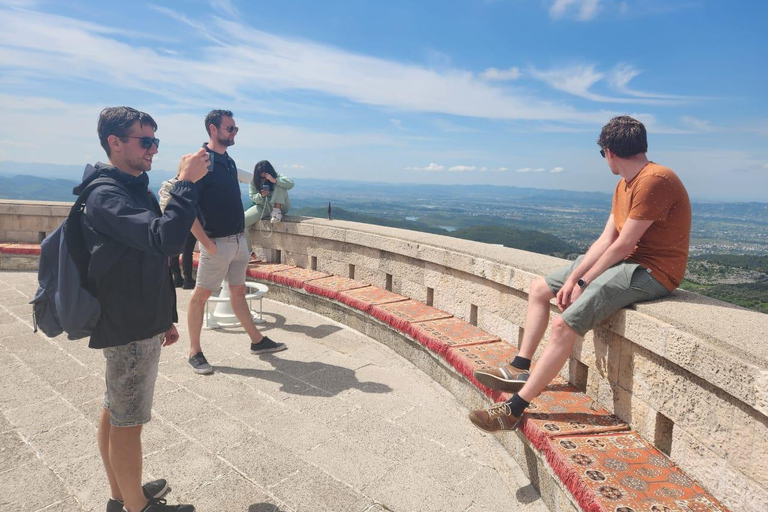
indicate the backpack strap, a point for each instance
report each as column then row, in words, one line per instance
column 73, row 228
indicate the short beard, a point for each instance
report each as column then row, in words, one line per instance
column 226, row 142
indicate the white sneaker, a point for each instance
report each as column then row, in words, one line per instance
column 277, row 216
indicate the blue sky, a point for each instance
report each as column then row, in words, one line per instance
column 501, row 92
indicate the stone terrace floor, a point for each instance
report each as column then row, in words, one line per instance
column 338, row 422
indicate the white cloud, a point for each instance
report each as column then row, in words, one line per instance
column 531, row 169
column 699, row 125
column 579, row 80
column 451, row 127
column 502, row 169
column 494, row 74
column 765, row 166
column 39, row 46
column 462, row 168
column 398, row 123
column 557, row 170
column 587, row 9
column 433, row 167
column 293, row 166
column 225, row 6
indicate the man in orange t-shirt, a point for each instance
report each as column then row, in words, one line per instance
column 641, row 255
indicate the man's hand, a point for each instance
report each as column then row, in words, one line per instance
column 171, row 336
column 564, row 295
column 194, row 166
column 210, row 247
column 264, row 193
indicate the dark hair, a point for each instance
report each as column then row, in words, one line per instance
column 624, row 136
column 214, row 118
column 117, row 121
column 258, row 169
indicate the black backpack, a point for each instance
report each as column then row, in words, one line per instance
column 64, row 301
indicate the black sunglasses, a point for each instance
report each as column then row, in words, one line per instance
column 231, row 129
column 146, row 142
column 602, row 153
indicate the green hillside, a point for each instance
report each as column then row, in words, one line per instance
column 524, row 239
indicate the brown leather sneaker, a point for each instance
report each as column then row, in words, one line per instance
column 498, row 417
column 504, row 378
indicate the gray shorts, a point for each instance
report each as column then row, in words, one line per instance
column 230, row 262
column 131, row 375
column 621, row 285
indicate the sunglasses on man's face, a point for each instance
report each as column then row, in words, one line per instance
column 602, row 153
column 231, row 129
column 146, row 142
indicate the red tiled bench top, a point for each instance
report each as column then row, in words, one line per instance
column 20, row 249
column 605, row 466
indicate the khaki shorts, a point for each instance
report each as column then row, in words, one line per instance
column 230, row 262
column 130, row 376
column 619, row 286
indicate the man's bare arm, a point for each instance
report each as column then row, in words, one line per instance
column 199, row 232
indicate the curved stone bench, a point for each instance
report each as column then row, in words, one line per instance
column 579, row 455
column 604, row 465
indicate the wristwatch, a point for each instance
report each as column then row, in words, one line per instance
column 582, row 283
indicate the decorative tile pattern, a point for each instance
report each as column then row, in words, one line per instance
column 331, row 286
column 439, row 335
column 13, row 248
column 467, row 359
column 295, row 277
column 365, row 298
column 623, row 472
column 562, row 410
column 263, row 271
column 401, row 315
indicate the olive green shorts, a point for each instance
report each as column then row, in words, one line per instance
column 623, row 284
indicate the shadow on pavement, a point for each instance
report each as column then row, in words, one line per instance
column 287, row 373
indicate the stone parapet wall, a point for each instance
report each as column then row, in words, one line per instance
column 30, row 221
column 689, row 373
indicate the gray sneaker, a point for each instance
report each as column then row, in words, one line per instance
column 266, row 346
column 199, row 364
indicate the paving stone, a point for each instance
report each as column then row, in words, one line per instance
column 87, row 480
column 370, row 431
column 433, row 460
column 66, row 443
column 228, row 430
column 14, row 452
column 296, row 431
column 187, row 465
column 311, row 489
column 41, row 417
column 405, row 489
column 349, row 462
column 81, row 390
column 263, row 461
column 180, row 406
column 31, row 487
column 230, row 492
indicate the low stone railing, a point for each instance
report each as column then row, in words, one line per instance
column 688, row 373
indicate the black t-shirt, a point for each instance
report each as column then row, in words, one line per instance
column 220, row 205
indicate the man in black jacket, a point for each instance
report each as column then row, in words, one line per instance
column 130, row 242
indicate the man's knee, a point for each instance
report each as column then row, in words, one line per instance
column 200, row 295
column 562, row 333
column 236, row 291
column 540, row 291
